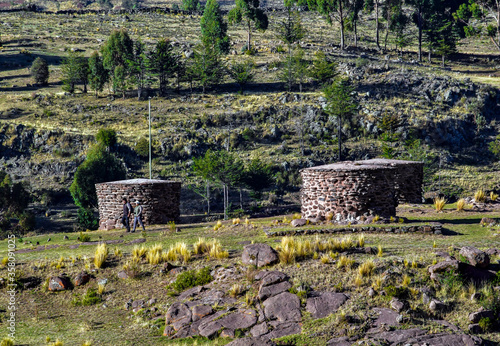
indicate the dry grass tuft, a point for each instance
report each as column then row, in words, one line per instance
column 361, row 240
column 345, row 261
column 366, row 269
column 480, row 196
column 236, row 221
column 493, row 196
column 380, row 251
column 154, row 254
column 329, row 216
column 358, row 281
column 236, row 290
column 406, row 281
column 7, row 342
column 101, row 253
column 439, row 204
column 101, row 289
column 139, row 252
column 178, row 253
column 461, row 204
column 325, row 259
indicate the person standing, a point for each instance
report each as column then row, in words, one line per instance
column 138, row 215
column 127, row 211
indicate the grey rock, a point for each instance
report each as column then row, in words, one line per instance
column 285, row 307
column 444, row 266
column 122, row 274
column 270, row 277
column 242, row 319
column 298, row 222
column 436, row 305
column 475, row 317
column 474, row 328
column 259, row 255
column 325, row 304
column 259, row 329
column 200, row 311
column 398, row 305
column 58, row 283
column 284, row 329
column 178, row 315
column 272, row 290
column 259, row 341
column 476, row 257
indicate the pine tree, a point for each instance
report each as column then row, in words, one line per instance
column 118, row 49
column 333, row 10
column 249, row 11
column 138, row 67
column 75, row 69
column 340, row 103
column 290, row 31
column 213, row 28
column 163, row 62
column 40, row 71
column 98, row 75
column 208, row 67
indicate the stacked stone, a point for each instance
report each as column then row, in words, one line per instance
column 160, row 200
column 409, row 178
column 348, row 190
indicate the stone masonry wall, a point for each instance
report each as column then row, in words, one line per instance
column 160, row 200
column 409, row 178
column 348, row 190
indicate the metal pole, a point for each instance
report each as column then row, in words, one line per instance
column 150, row 175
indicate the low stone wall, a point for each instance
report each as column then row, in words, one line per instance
column 434, row 228
column 348, row 190
column 160, row 200
column 409, row 178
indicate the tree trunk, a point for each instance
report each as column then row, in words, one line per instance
column 208, row 198
column 241, row 199
column 430, row 56
column 420, row 24
column 340, row 138
column 289, row 68
column 355, row 34
column 376, row 25
column 341, row 15
column 386, row 35
column 442, row 60
column 249, row 35
column 84, row 88
column 139, row 92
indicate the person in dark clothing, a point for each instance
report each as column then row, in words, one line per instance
column 138, row 215
column 127, row 211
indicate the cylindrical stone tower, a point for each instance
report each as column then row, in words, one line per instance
column 160, row 200
column 409, row 178
column 348, row 190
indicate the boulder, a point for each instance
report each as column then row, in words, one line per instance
column 476, row 257
column 81, row 279
column 475, row 317
column 386, row 317
column 270, row 291
column 259, row 329
column 122, row 274
column 486, row 221
column 259, row 255
column 178, row 315
column 200, row 311
column 284, row 329
column 444, row 339
column 59, row 283
column 285, row 307
column 298, row 222
column 190, row 293
column 475, row 274
column 474, row 328
column 259, row 341
column 325, row 303
column 270, row 277
column 445, row 266
column 436, row 305
column 398, row 305
column 242, row 319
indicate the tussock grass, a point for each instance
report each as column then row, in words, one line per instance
column 101, row 253
column 380, row 251
column 480, row 196
column 118, row 252
column 236, row 221
column 218, row 225
column 7, row 342
column 212, row 248
column 439, row 204
column 139, row 252
column 294, row 249
column 178, row 252
column 236, row 290
column 461, row 204
column 361, row 240
column 358, row 281
column 366, row 268
column 493, row 196
column 406, row 281
column 154, row 254
column 325, row 259
column 345, row 262
column 101, row 289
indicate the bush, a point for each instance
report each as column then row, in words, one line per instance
column 40, row 71
column 100, row 166
column 142, row 147
column 190, row 5
column 192, row 278
column 84, row 237
column 106, row 137
column 91, row 297
column 397, row 292
column 486, row 324
column 27, row 221
column 87, row 219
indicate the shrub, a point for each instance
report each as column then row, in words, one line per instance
column 86, row 219
column 142, row 147
column 91, row 297
column 40, row 71
column 480, row 196
column 27, row 221
column 7, row 342
column 99, row 166
column 439, row 204
column 84, row 237
column 106, row 137
column 192, row 278
column 486, row 324
column 397, row 292
column 101, row 253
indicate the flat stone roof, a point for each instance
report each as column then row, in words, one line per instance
column 347, row 166
column 388, row 162
column 138, row 181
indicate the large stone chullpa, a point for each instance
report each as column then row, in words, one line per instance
column 160, row 200
column 409, row 178
column 348, row 190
